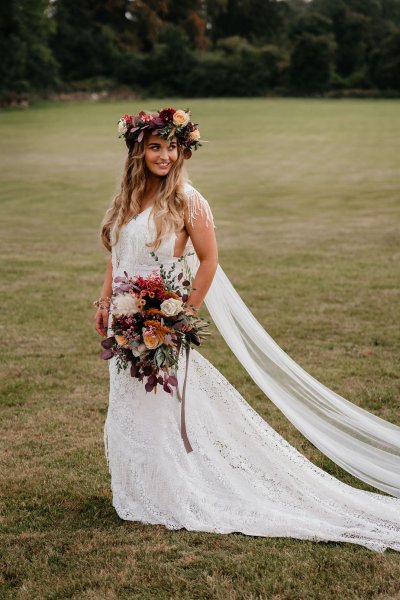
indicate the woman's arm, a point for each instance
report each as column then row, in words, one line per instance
column 101, row 316
column 202, row 234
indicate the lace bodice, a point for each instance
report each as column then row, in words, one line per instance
column 131, row 254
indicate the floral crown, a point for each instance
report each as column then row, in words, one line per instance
column 167, row 123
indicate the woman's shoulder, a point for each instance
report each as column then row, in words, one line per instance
column 191, row 191
column 198, row 206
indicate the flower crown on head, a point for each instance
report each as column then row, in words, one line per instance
column 167, row 123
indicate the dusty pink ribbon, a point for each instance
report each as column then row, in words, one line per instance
column 181, row 399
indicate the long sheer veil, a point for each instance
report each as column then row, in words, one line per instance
column 361, row 443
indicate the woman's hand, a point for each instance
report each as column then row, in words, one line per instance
column 103, row 303
column 101, row 321
column 190, row 310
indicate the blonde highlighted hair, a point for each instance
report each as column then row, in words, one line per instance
column 169, row 204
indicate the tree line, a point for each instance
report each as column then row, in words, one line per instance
column 200, row 48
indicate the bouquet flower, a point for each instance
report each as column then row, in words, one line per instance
column 151, row 328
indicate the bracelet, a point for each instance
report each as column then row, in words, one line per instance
column 192, row 308
column 102, row 302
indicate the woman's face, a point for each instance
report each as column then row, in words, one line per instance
column 159, row 155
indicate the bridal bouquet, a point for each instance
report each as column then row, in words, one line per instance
column 151, row 327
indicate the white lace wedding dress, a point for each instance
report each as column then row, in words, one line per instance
column 241, row 476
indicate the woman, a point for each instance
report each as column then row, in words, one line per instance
column 241, row 475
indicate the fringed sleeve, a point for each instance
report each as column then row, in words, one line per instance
column 198, row 207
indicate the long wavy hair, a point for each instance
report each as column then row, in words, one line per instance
column 169, row 203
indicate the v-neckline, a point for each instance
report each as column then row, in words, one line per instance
column 141, row 213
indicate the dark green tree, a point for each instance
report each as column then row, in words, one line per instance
column 391, row 11
column 359, row 26
column 199, row 47
column 259, row 21
column 311, row 63
column 385, row 63
column 150, row 17
column 170, row 63
column 85, row 43
column 27, row 62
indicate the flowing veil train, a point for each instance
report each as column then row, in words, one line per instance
column 363, row 444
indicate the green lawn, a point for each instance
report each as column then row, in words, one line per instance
column 305, row 195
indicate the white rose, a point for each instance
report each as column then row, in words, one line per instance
column 138, row 350
column 124, row 305
column 171, row 307
column 180, row 118
column 122, row 128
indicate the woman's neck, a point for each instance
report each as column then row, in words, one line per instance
column 151, row 188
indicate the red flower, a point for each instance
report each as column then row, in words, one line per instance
column 152, row 283
column 128, row 119
column 166, row 114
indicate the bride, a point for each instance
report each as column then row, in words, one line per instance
column 237, row 474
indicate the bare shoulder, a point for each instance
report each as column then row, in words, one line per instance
column 199, row 211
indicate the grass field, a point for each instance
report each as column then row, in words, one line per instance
column 305, row 194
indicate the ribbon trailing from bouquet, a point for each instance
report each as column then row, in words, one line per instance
column 181, row 399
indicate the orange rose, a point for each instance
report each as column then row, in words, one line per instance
column 180, row 118
column 194, row 135
column 152, row 338
column 121, row 340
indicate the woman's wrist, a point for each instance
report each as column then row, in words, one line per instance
column 190, row 308
column 103, row 302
